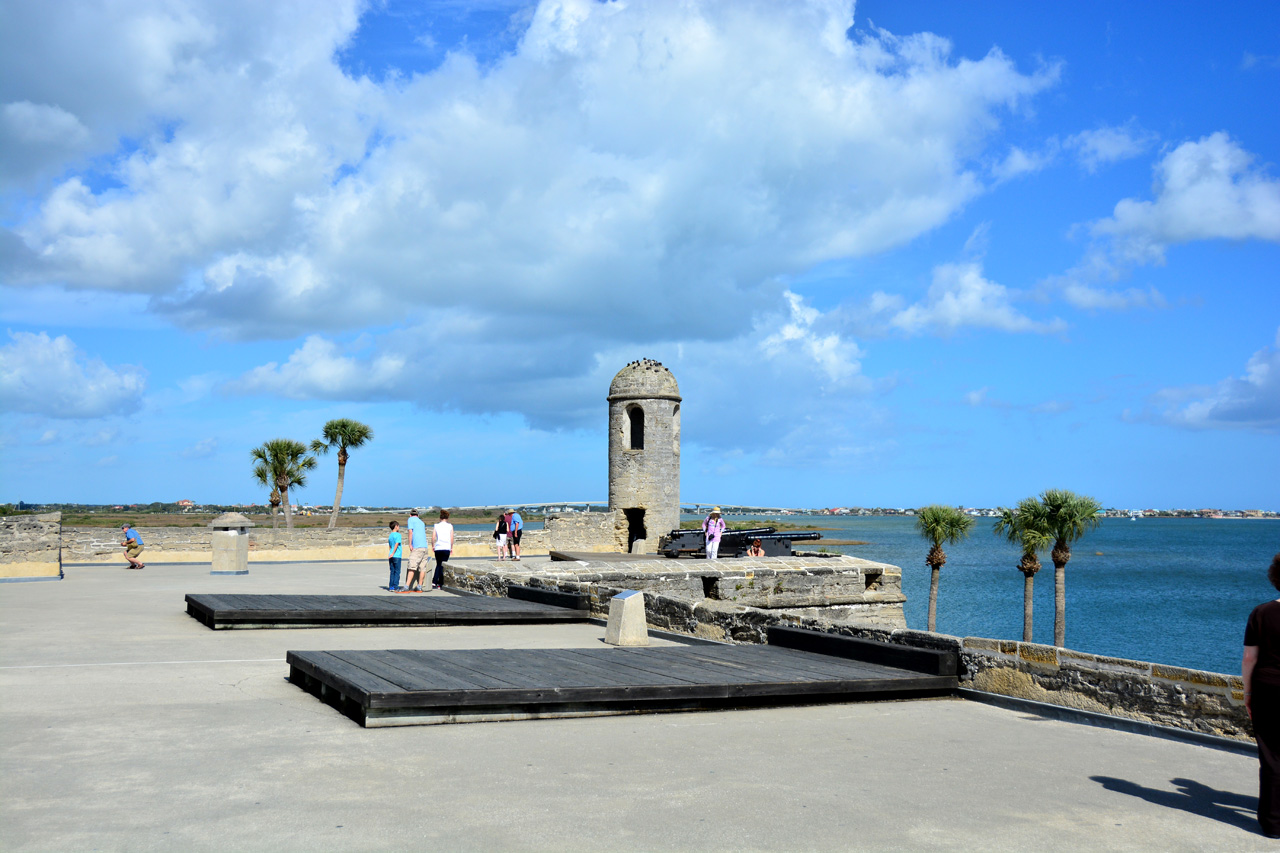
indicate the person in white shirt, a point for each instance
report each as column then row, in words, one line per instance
column 442, row 544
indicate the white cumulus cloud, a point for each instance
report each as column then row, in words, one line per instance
column 53, row 377
column 961, row 296
column 798, row 334
column 319, row 370
column 1251, row 401
column 1205, row 190
column 664, row 148
column 1209, row 189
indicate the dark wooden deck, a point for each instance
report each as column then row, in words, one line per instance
column 414, row 687
column 351, row 611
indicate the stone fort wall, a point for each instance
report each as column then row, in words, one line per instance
column 587, row 531
column 101, row 545
column 30, row 546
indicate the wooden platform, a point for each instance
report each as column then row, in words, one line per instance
column 351, row 611
column 413, row 687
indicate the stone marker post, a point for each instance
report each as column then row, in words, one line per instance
column 627, row 625
column 230, row 544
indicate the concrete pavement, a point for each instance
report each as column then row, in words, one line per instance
column 127, row 725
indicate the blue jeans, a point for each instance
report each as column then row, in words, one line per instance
column 394, row 583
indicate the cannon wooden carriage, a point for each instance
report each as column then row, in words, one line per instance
column 733, row 543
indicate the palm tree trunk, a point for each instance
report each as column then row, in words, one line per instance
column 1027, row 585
column 933, row 599
column 1059, row 604
column 288, row 510
column 275, row 516
column 1060, row 554
column 337, row 498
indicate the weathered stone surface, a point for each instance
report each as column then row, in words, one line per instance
column 230, row 552
column 982, row 643
column 1205, row 702
column 30, row 545
column 1038, row 654
column 582, row 531
column 626, row 625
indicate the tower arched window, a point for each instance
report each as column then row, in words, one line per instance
column 635, row 424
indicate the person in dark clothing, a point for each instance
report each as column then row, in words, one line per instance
column 1261, row 674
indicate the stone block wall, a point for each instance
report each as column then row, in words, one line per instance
column 101, row 545
column 480, row 543
column 586, row 531
column 30, row 546
column 1205, row 702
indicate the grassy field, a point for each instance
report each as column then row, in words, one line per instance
column 780, row 526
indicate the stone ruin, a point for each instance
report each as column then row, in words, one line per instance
column 614, row 549
column 644, row 468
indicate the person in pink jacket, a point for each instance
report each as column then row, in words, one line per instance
column 713, row 529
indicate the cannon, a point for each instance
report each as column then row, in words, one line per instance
column 733, row 543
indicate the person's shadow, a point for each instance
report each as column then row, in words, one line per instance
column 1223, row 806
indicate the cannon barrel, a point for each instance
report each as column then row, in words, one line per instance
column 794, row 536
column 756, row 532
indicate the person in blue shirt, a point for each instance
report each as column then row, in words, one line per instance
column 514, row 529
column 419, row 553
column 132, row 547
column 394, row 542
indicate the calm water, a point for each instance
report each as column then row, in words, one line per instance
column 1176, row 591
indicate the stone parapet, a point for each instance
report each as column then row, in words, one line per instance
column 860, row 587
column 30, row 546
column 1206, row 702
column 101, row 545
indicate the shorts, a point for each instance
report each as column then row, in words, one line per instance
column 515, row 537
column 133, row 549
column 502, row 540
column 418, row 559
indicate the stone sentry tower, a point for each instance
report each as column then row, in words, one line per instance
column 644, row 454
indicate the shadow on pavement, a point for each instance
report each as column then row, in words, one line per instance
column 1223, row 806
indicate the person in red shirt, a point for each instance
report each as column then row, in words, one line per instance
column 1261, row 674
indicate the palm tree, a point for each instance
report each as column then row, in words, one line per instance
column 1028, row 526
column 282, row 463
column 275, row 494
column 344, row 434
column 940, row 524
column 1068, row 517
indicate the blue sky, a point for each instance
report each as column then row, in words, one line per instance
column 894, row 253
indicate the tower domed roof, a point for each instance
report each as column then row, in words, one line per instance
column 644, row 379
